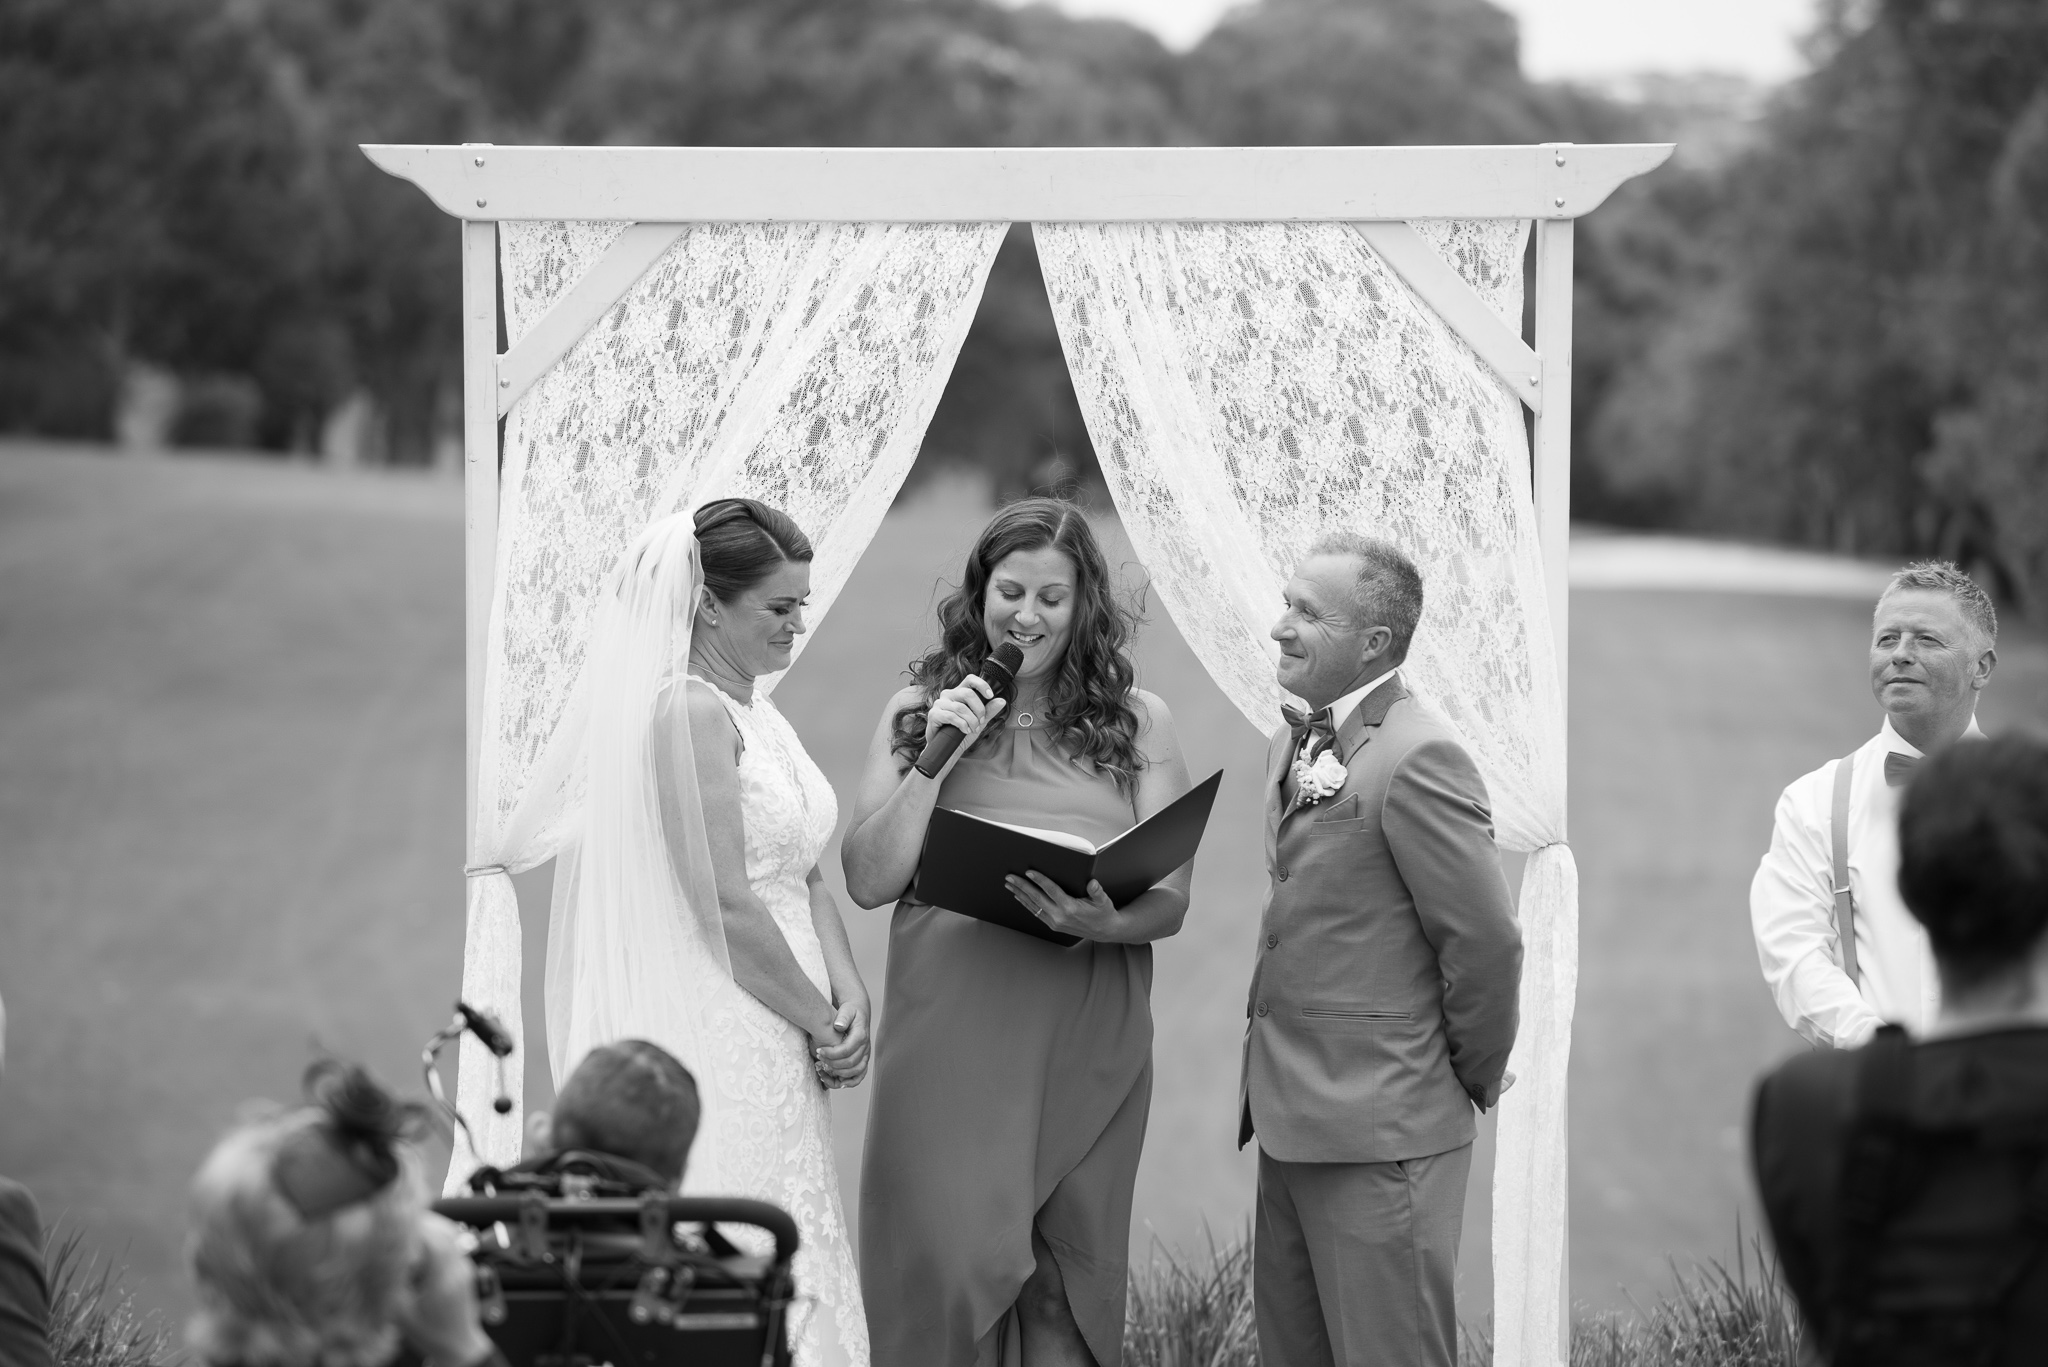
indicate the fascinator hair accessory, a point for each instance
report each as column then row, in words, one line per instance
column 350, row 1152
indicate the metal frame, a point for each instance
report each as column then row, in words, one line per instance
column 660, row 189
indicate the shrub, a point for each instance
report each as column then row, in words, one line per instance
column 1188, row 1313
column 1191, row 1313
column 93, row 1321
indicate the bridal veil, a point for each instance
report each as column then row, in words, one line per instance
column 636, row 944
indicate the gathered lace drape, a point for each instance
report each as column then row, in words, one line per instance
column 794, row 363
column 1249, row 386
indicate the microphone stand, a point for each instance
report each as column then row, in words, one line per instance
column 493, row 1037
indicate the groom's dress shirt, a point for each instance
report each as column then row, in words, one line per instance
column 1792, row 907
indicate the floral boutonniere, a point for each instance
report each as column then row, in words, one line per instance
column 1321, row 778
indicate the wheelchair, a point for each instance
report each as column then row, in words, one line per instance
column 584, row 1260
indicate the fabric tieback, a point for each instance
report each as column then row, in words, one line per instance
column 1898, row 767
column 1317, row 727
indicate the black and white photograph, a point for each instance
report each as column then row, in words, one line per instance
column 1023, row 683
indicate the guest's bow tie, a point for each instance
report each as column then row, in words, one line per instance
column 1898, row 767
column 1311, row 724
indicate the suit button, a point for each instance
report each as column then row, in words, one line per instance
column 1272, row 940
column 1262, row 1008
column 1283, row 875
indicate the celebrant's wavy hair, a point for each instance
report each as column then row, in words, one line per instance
column 1088, row 708
column 306, row 1228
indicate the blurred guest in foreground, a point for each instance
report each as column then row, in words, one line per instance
column 1834, row 849
column 1906, row 1182
column 312, row 1245
column 24, row 1289
column 631, row 1108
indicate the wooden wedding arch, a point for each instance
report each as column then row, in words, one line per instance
column 660, row 190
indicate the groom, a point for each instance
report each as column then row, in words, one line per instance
column 1383, row 1003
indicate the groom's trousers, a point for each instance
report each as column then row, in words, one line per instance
column 1354, row 1264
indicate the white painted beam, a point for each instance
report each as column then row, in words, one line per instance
column 1552, row 445
column 1551, row 476
column 1437, row 283
column 479, row 483
column 575, row 313
column 1011, row 184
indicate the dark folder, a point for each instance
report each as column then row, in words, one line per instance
column 966, row 858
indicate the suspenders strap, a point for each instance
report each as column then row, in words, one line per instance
column 1845, row 901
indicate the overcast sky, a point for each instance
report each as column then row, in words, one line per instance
column 1566, row 38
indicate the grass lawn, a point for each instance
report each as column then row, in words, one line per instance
column 230, row 831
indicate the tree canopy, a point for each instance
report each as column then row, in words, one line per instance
column 1832, row 336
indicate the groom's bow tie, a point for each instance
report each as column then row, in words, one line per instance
column 1898, row 767
column 1311, row 724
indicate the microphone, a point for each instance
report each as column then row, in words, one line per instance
column 486, row 1028
column 999, row 672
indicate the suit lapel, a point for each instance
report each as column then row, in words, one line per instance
column 1280, row 751
column 1370, row 712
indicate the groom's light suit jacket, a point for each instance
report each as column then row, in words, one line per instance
column 1383, row 1004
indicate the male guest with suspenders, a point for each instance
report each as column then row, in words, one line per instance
column 1833, row 862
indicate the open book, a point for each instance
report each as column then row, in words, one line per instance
column 966, row 858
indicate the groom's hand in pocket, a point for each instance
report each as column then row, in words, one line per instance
column 845, row 1062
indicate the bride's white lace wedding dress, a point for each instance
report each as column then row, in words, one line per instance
column 768, row 1118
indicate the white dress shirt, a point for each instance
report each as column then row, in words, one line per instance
column 1341, row 710
column 1792, row 908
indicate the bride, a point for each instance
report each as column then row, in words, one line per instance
column 691, row 912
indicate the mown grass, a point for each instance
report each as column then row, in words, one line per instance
column 93, row 1318
column 1197, row 1312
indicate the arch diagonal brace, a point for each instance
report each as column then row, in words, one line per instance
column 1440, row 286
column 589, row 299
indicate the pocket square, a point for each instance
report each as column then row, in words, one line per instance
column 1342, row 811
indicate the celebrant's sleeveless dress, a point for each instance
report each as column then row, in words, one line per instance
column 773, row 1116
column 1012, row 1080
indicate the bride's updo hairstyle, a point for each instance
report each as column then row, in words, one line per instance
column 1088, row 709
column 741, row 540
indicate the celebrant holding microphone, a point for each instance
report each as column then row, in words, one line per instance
column 1012, row 1075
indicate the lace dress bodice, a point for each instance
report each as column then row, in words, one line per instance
column 790, row 813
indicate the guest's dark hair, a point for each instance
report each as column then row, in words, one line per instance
column 1389, row 588
column 741, row 540
column 1973, row 854
column 1088, row 705
column 631, row 1100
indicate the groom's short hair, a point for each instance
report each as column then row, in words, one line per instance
column 1389, row 588
column 632, row 1100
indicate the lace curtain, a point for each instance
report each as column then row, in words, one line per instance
column 794, row 363
column 1249, row 386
